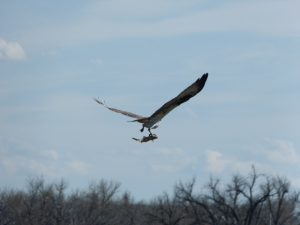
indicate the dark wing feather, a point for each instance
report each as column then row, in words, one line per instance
column 120, row 111
column 184, row 96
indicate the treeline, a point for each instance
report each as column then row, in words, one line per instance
column 255, row 199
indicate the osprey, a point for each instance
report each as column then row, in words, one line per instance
column 151, row 121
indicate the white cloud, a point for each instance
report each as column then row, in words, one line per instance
column 258, row 17
column 139, row 9
column 215, row 161
column 19, row 164
column 175, row 164
column 38, row 167
column 295, row 182
column 165, row 18
column 281, row 151
column 52, row 154
column 78, row 166
column 170, row 160
column 11, row 50
column 21, row 158
column 262, row 17
column 271, row 157
column 8, row 165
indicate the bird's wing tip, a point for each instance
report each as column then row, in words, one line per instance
column 97, row 100
column 101, row 102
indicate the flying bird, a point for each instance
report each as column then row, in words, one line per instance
column 151, row 121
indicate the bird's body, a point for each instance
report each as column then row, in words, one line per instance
column 151, row 121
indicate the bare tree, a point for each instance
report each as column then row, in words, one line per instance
column 242, row 202
column 11, row 207
column 256, row 199
column 94, row 207
column 165, row 210
column 128, row 212
column 197, row 206
column 282, row 206
column 59, row 206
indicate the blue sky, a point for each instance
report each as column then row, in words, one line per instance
column 55, row 56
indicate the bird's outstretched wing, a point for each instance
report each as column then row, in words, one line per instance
column 184, row 96
column 119, row 111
